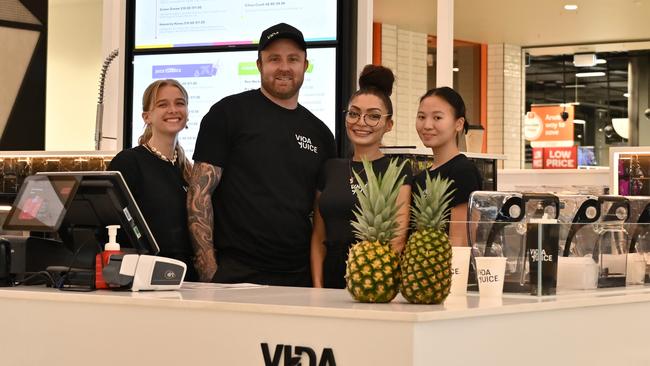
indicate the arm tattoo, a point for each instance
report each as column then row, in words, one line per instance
column 204, row 180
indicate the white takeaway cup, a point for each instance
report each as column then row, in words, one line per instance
column 635, row 269
column 459, row 270
column 490, row 273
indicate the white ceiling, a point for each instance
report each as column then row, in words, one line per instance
column 526, row 22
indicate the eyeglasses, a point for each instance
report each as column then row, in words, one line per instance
column 370, row 119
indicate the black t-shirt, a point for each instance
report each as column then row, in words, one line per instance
column 466, row 176
column 160, row 192
column 337, row 203
column 271, row 157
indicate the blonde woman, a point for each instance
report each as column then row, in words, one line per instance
column 157, row 170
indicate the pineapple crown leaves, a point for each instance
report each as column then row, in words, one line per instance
column 430, row 209
column 376, row 212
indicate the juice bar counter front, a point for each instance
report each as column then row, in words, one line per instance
column 210, row 324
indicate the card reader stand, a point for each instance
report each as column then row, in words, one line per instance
column 66, row 214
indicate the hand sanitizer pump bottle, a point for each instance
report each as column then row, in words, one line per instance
column 112, row 247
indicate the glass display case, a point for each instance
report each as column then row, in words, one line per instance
column 560, row 243
column 15, row 166
column 421, row 159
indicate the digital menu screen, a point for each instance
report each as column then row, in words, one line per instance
column 191, row 23
column 210, row 76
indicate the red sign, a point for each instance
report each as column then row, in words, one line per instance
column 538, row 158
column 545, row 126
column 561, row 157
column 555, row 157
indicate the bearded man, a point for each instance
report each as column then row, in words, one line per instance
column 256, row 164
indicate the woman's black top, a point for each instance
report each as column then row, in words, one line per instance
column 336, row 205
column 465, row 175
column 160, row 192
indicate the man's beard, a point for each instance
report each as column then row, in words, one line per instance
column 290, row 93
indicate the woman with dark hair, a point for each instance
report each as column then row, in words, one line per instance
column 367, row 118
column 440, row 123
column 157, row 170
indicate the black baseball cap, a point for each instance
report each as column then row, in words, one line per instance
column 281, row 30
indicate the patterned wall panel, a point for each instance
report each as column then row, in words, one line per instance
column 23, row 57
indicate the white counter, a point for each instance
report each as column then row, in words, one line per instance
column 208, row 325
column 427, row 151
column 586, row 181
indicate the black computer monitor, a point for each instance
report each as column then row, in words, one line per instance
column 42, row 203
column 78, row 206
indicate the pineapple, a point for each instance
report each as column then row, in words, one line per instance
column 426, row 261
column 372, row 268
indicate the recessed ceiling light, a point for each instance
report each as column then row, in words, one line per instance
column 570, row 7
column 455, row 69
column 590, row 74
column 626, row 95
column 600, row 61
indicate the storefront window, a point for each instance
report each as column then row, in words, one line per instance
column 603, row 89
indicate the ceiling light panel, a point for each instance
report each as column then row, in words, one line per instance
column 590, row 74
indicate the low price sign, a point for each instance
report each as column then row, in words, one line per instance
column 555, row 157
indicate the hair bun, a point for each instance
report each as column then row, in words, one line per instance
column 380, row 77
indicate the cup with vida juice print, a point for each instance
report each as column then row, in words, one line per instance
column 489, row 273
column 459, row 269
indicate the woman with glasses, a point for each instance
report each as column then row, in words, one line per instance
column 367, row 118
column 440, row 122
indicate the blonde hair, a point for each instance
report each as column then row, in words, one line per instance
column 148, row 100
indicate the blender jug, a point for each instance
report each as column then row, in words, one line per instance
column 611, row 247
column 576, row 212
column 576, row 267
column 490, row 213
column 639, row 253
column 490, row 218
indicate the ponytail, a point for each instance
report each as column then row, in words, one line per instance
column 146, row 135
column 184, row 163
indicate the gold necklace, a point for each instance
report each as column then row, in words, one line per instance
column 362, row 170
column 160, row 155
